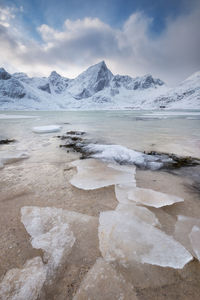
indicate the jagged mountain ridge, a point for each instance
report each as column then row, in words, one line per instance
column 95, row 88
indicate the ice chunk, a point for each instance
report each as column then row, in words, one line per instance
column 54, row 230
column 195, row 241
column 141, row 213
column 152, row 198
column 126, row 240
column 25, row 283
column 11, row 157
column 183, row 229
column 49, row 233
column 104, row 282
column 125, row 156
column 46, row 129
column 94, row 174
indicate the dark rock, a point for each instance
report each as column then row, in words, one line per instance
column 72, row 132
column 6, row 141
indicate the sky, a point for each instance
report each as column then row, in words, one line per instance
column 133, row 37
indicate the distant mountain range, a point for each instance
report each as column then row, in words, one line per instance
column 95, row 88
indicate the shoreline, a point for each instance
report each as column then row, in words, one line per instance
column 42, row 180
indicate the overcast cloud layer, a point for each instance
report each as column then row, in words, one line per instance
column 171, row 56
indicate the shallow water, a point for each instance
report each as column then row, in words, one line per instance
column 173, row 132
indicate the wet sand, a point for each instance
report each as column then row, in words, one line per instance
column 33, row 182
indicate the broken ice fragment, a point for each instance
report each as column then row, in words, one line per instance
column 46, row 129
column 11, row 157
column 139, row 212
column 94, row 174
column 48, row 233
column 25, row 283
column 183, row 228
column 152, row 198
column 104, row 282
column 195, row 241
column 55, row 230
column 126, row 240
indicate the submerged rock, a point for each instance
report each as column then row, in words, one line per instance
column 25, row 283
column 11, row 157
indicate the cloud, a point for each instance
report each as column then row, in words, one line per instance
column 172, row 56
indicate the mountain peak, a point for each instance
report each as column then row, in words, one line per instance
column 4, row 74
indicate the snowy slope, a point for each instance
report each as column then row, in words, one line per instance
column 95, row 88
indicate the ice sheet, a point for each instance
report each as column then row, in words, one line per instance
column 94, row 174
column 46, row 129
column 125, row 239
column 25, row 283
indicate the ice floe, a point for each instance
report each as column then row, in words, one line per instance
column 94, row 174
column 55, row 231
column 25, row 283
column 104, row 282
column 48, row 232
column 152, row 198
column 46, row 129
column 195, row 240
column 126, row 240
column 11, row 157
column 127, row 193
column 185, row 234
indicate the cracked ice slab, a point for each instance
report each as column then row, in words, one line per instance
column 52, row 230
column 183, row 232
column 152, row 198
column 104, row 282
column 94, row 174
column 46, row 129
column 25, row 283
column 125, row 239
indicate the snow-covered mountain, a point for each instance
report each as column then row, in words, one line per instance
column 95, row 88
